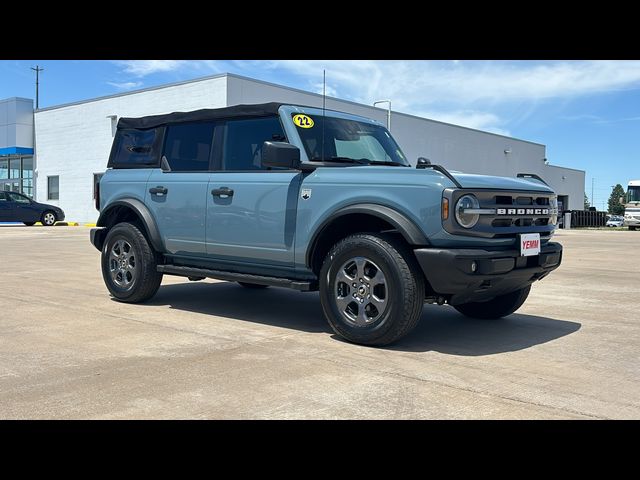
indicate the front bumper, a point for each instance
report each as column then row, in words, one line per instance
column 631, row 222
column 450, row 273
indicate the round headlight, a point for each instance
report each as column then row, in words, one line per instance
column 466, row 202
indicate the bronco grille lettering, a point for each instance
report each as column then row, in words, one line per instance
column 522, row 211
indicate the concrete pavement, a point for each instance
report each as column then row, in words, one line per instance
column 216, row 350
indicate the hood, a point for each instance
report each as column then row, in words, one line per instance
column 469, row 180
column 420, row 177
column 47, row 205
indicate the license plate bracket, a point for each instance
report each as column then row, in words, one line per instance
column 529, row 244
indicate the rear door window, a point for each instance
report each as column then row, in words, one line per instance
column 188, row 146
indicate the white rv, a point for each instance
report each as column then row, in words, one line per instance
column 632, row 205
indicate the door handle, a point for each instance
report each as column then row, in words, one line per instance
column 158, row 191
column 224, row 192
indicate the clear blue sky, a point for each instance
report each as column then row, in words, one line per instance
column 586, row 112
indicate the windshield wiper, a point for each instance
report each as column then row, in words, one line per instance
column 388, row 162
column 359, row 161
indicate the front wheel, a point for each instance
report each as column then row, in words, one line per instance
column 129, row 264
column 371, row 289
column 48, row 218
column 632, row 229
column 497, row 308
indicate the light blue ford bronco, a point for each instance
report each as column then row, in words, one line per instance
column 299, row 197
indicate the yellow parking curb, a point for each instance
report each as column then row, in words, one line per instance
column 60, row 224
column 90, row 225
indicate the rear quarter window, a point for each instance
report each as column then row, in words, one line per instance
column 136, row 148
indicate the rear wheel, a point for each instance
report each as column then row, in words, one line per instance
column 632, row 228
column 255, row 286
column 129, row 264
column 48, row 218
column 371, row 289
column 497, row 308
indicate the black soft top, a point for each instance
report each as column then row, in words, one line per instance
column 255, row 110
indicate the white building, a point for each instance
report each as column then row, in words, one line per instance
column 73, row 141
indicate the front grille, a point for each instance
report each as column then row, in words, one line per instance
column 505, row 213
column 519, row 222
column 502, row 222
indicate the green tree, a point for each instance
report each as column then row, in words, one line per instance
column 586, row 202
column 615, row 207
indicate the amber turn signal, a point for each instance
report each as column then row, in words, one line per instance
column 445, row 208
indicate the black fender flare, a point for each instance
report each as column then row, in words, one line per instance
column 407, row 228
column 143, row 214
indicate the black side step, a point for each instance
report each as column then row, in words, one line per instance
column 302, row 285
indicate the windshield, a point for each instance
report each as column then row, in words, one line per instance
column 633, row 194
column 348, row 140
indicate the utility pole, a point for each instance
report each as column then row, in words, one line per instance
column 592, row 202
column 37, row 70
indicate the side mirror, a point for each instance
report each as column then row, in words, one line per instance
column 280, row 154
column 423, row 162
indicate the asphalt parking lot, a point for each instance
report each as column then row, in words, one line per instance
column 215, row 350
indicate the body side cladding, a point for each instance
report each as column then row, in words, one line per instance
column 407, row 228
column 140, row 211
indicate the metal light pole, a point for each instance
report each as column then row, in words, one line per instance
column 388, row 112
column 37, row 70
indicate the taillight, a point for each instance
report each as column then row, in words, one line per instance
column 98, row 196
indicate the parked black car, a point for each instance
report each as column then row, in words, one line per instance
column 15, row 207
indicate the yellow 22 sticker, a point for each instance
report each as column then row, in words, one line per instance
column 303, row 121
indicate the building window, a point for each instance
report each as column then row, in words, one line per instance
column 10, row 186
column 16, row 174
column 14, row 168
column 53, row 188
column 96, row 180
column 4, row 169
column 27, row 176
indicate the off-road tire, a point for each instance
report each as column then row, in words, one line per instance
column 497, row 308
column 146, row 279
column 404, row 290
